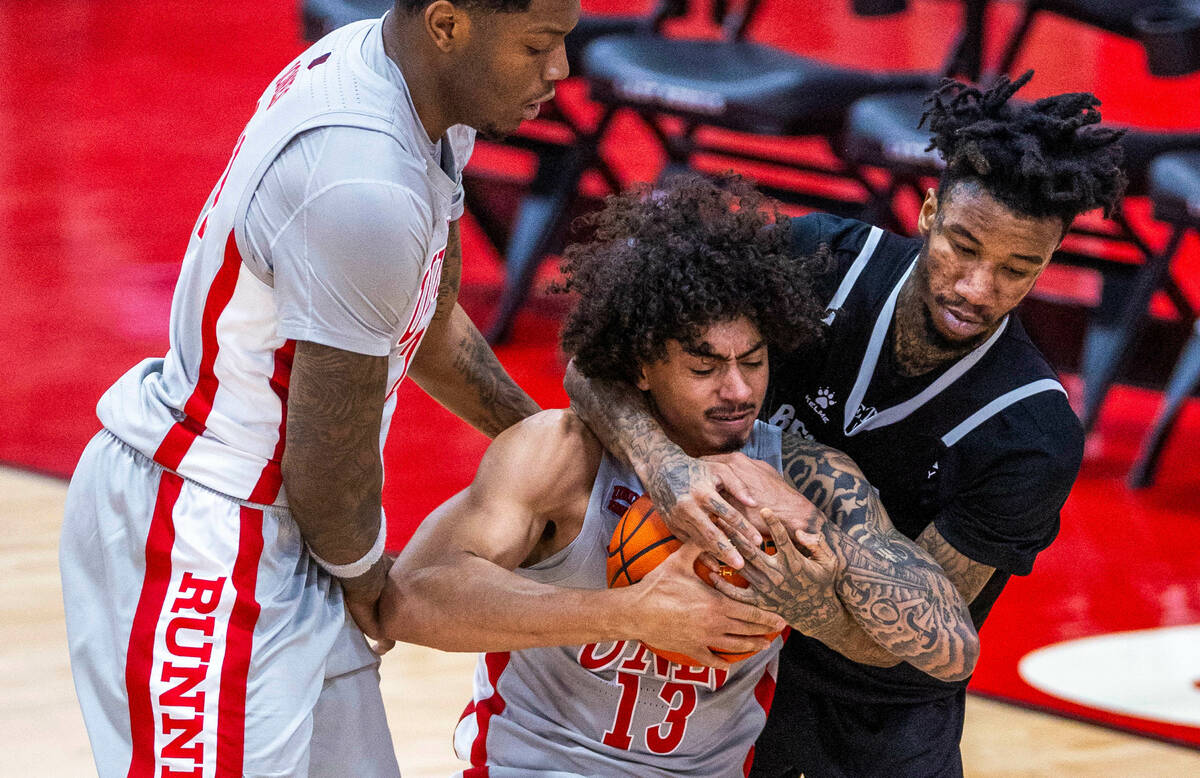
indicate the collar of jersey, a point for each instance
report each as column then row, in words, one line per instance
column 866, row 370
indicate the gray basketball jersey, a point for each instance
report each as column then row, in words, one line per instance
column 614, row 708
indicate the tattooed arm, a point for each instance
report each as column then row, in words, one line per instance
column 900, row 603
column 456, row 366
column 967, row 575
column 686, row 490
column 331, row 466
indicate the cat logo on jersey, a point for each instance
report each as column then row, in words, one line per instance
column 826, row 398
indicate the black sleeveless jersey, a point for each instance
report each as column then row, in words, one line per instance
column 986, row 449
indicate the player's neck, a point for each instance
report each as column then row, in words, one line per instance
column 406, row 45
column 917, row 347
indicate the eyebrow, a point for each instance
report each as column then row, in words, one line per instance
column 546, row 29
column 705, row 351
column 963, row 232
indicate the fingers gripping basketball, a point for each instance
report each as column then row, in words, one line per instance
column 640, row 543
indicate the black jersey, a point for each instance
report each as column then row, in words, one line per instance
column 986, row 449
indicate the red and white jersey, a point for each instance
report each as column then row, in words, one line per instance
column 614, row 708
column 329, row 224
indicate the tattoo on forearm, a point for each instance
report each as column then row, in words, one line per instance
column 331, row 465
column 505, row 402
column 967, row 575
column 893, row 589
column 618, row 415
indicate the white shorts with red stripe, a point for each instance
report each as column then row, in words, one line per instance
column 204, row 641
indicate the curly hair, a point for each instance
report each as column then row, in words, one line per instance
column 502, row 6
column 665, row 264
column 1044, row 159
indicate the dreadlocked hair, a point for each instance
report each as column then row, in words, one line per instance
column 1044, row 159
column 666, row 263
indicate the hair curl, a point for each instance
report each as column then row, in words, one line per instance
column 1044, row 159
column 493, row 6
column 665, row 264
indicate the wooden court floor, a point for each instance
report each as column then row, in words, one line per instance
column 42, row 734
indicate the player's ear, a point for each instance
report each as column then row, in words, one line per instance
column 928, row 212
column 642, row 383
column 447, row 24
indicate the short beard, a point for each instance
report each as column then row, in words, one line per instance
column 491, row 132
column 941, row 342
column 731, row 445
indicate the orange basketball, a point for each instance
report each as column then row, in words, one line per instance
column 640, row 543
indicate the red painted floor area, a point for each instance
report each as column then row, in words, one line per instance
column 117, row 117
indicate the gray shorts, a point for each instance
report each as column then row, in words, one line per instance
column 204, row 641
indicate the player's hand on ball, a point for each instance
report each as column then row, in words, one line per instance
column 689, row 492
column 797, row 581
column 771, row 489
column 677, row 613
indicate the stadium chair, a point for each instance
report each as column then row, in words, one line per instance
column 882, row 133
column 737, row 85
column 1175, row 195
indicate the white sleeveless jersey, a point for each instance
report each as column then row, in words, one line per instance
column 614, row 709
column 213, row 409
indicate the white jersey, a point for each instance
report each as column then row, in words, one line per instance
column 614, row 708
column 329, row 224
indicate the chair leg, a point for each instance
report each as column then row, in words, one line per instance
column 541, row 219
column 541, row 216
column 1183, row 382
column 1111, row 347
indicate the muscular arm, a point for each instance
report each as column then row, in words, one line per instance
column 900, row 604
column 331, row 466
column 456, row 366
column 454, row 587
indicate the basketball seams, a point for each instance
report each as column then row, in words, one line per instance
column 641, row 553
column 624, row 539
column 638, row 525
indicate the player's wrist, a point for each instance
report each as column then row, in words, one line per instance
column 370, row 584
column 358, row 567
column 618, row 610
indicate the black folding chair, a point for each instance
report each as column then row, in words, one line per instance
column 882, row 132
column 679, row 86
column 1175, row 195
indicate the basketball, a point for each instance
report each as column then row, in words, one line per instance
column 640, row 543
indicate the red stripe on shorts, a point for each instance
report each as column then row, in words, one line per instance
column 764, row 692
column 239, row 641
column 271, row 479
column 199, row 405
column 484, row 710
column 140, row 656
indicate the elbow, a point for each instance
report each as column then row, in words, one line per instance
column 963, row 658
column 400, row 615
column 406, row 616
